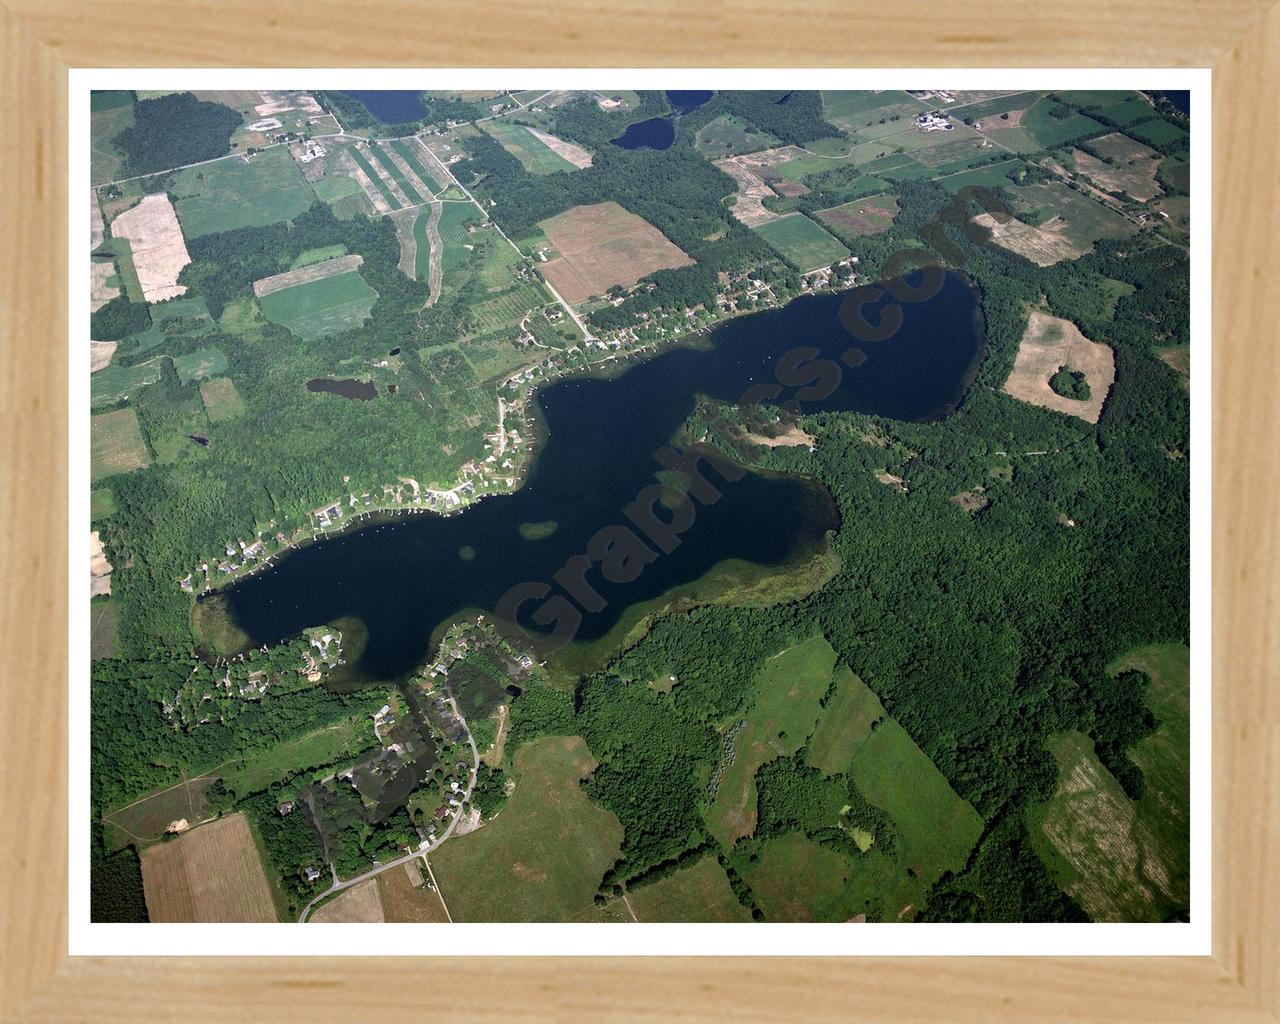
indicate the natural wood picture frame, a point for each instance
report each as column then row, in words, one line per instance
column 39, row 41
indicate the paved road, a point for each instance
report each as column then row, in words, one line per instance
column 338, row 886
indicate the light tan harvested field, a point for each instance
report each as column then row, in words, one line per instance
column 100, row 293
column 406, row 896
column 100, row 353
column 99, row 567
column 747, row 171
column 305, row 275
column 361, row 904
column 211, row 873
column 576, row 155
column 990, row 124
column 1133, row 171
column 159, row 251
column 603, row 245
column 97, row 229
column 346, row 165
column 1044, row 246
column 792, row 437
column 278, row 102
column 1048, row 343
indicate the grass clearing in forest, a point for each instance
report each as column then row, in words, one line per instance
column 797, row 880
column 1100, row 846
column 845, row 723
column 317, row 749
column 698, row 893
column 802, row 242
column 728, row 135
column 221, row 399
column 145, row 820
column 236, row 193
column 204, row 362
column 542, row 857
column 535, row 155
column 789, row 688
column 936, row 827
column 320, row 307
column 212, row 873
column 116, row 444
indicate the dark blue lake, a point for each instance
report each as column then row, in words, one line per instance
column 404, row 576
column 391, row 106
column 687, row 100
column 1181, row 100
column 655, row 133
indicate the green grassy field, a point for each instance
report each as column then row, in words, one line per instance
column 337, row 187
column 1039, row 129
column 454, row 220
column 936, row 828
column 233, row 194
column 102, row 628
column 1157, row 133
column 416, row 164
column 310, row 256
column 802, row 242
column 995, row 106
column 422, row 244
column 1124, row 112
column 109, row 114
column 698, row 893
column 205, row 362
column 534, row 154
column 797, row 879
column 845, row 724
column 396, row 174
column 180, row 317
column 990, row 176
column 317, row 749
column 319, row 308
column 363, row 163
column 125, row 270
column 101, row 503
column 117, row 382
column 859, row 113
column 728, row 136
column 542, row 857
column 1079, row 219
column 116, row 444
column 788, row 690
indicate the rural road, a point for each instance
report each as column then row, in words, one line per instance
column 338, row 886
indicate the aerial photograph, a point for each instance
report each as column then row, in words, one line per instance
column 625, row 506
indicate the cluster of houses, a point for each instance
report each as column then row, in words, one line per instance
column 200, row 698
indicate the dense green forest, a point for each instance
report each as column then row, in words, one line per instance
column 115, row 882
column 173, row 130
